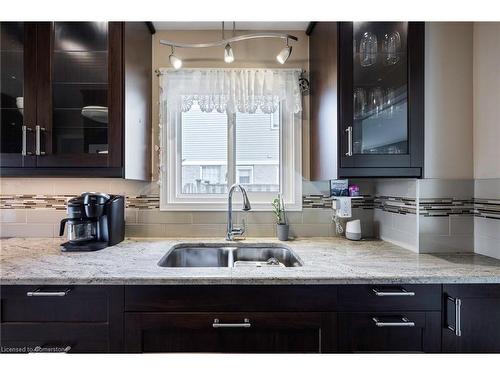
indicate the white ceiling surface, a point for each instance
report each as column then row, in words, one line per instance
column 264, row 26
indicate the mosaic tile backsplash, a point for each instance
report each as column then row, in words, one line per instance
column 58, row 202
column 452, row 215
column 488, row 208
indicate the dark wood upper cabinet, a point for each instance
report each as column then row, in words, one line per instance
column 367, row 99
column 79, row 102
column 18, row 94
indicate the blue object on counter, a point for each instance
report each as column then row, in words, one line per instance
column 339, row 188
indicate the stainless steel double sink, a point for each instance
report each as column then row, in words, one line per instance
column 230, row 255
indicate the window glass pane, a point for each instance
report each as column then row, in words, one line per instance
column 204, row 152
column 258, row 151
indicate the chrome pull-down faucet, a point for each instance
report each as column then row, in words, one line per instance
column 232, row 231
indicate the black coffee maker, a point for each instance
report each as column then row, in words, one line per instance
column 95, row 221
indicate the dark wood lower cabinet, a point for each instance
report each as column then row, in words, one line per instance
column 233, row 319
column 230, row 332
column 390, row 332
column 81, row 319
column 471, row 318
column 55, row 337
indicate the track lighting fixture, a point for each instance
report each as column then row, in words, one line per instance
column 228, row 54
column 174, row 60
column 282, row 57
column 284, row 54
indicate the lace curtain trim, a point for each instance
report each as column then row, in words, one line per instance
column 223, row 90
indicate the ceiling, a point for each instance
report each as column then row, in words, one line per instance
column 229, row 25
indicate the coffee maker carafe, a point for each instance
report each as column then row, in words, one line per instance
column 95, row 221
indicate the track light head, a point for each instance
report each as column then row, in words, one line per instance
column 228, row 54
column 174, row 60
column 284, row 54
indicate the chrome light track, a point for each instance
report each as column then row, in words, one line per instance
column 234, row 39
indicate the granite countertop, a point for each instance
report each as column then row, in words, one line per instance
column 326, row 261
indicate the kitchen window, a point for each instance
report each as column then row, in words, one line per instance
column 205, row 151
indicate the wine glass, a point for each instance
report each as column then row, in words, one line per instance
column 391, row 46
column 390, row 99
column 377, row 99
column 359, row 102
column 368, row 47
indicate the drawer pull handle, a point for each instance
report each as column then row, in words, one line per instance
column 400, row 293
column 38, row 146
column 348, row 130
column 246, row 324
column 405, row 322
column 458, row 324
column 41, row 293
column 24, row 150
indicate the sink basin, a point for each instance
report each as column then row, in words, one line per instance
column 196, row 256
column 235, row 255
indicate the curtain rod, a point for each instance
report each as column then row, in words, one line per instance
column 161, row 71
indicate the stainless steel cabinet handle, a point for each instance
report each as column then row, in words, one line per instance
column 246, row 324
column 349, row 141
column 24, row 150
column 38, row 147
column 405, row 322
column 402, row 292
column 41, row 293
column 458, row 323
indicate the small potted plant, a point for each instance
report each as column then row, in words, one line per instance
column 282, row 227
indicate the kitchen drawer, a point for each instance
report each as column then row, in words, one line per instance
column 408, row 297
column 222, row 332
column 54, row 304
column 54, row 337
column 390, row 332
column 231, row 298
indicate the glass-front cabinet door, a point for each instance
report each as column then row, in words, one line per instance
column 17, row 86
column 79, row 108
column 381, row 66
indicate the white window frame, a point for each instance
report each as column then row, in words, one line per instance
column 290, row 171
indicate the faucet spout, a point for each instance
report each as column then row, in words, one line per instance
column 231, row 230
column 246, row 201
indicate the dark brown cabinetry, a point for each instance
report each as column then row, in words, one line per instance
column 237, row 319
column 67, row 111
column 402, row 331
column 251, row 319
column 471, row 318
column 367, row 99
column 76, row 319
column 409, row 297
column 248, row 332
column 18, row 93
column 389, row 318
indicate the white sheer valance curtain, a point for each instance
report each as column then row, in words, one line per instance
column 231, row 90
